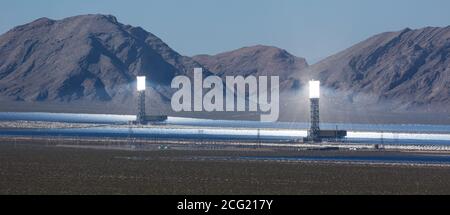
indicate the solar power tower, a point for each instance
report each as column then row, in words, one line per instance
column 314, row 96
column 140, row 117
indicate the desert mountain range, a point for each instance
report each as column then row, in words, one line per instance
column 95, row 58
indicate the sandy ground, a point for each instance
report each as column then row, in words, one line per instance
column 36, row 168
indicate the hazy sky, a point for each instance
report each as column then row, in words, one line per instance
column 309, row 28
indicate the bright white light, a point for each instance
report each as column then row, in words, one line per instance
column 140, row 83
column 314, row 89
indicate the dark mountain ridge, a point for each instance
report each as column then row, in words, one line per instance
column 94, row 59
column 409, row 67
column 88, row 58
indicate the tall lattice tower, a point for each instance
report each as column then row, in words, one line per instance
column 140, row 117
column 314, row 96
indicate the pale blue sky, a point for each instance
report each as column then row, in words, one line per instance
column 309, row 28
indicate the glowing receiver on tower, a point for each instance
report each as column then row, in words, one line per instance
column 314, row 89
column 140, row 83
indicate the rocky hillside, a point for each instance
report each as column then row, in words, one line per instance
column 87, row 58
column 255, row 60
column 411, row 67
